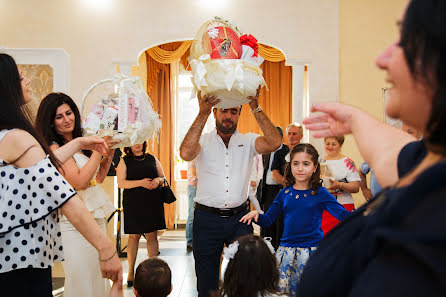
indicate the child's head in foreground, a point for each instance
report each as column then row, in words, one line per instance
column 153, row 278
column 252, row 268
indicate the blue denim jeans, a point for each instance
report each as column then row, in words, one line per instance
column 191, row 192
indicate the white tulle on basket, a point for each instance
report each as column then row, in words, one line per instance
column 120, row 107
column 222, row 66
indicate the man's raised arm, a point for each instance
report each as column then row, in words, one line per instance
column 271, row 139
column 190, row 147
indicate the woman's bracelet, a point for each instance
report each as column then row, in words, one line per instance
column 105, row 260
column 108, row 158
column 340, row 185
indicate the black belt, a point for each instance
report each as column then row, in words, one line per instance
column 222, row 212
column 274, row 186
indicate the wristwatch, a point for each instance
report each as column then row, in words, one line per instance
column 259, row 108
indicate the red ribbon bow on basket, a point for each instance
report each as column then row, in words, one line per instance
column 250, row 41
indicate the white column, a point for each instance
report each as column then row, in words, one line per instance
column 299, row 98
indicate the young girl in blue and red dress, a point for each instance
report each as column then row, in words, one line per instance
column 301, row 203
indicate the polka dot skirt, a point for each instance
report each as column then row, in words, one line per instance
column 29, row 229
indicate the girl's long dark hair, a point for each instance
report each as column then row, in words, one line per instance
column 12, row 101
column 423, row 39
column 252, row 270
column 315, row 181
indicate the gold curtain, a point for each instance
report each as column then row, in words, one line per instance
column 158, row 61
column 160, row 93
column 270, row 54
column 165, row 54
column 276, row 102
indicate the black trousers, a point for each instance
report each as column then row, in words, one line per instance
column 210, row 233
column 29, row 282
column 274, row 231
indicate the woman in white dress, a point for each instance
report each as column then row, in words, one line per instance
column 345, row 179
column 58, row 121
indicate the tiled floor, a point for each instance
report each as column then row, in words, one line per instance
column 172, row 245
column 173, row 251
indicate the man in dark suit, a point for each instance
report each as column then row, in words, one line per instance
column 269, row 188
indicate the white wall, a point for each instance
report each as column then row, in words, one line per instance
column 94, row 38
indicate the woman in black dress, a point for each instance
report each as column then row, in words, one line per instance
column 139, row 174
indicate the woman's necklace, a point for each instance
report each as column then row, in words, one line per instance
column 140, row 158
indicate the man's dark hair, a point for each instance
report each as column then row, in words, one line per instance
column 153, row 278
column 280, row 130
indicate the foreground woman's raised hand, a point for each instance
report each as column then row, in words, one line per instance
column 335, row 120
column 378, row 143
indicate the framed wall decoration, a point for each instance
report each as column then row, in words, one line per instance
column 47, row 69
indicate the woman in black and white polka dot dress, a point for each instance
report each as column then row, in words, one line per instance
column 31, row 193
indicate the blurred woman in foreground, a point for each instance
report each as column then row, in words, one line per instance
column 395, row 244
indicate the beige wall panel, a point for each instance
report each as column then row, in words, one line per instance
column 366, row 28
column 94, row 38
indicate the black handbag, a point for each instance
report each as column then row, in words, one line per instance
column 166, row 193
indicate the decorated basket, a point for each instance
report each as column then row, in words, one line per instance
column 225, row 64
column 120, row 107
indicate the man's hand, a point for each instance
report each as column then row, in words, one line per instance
column 254, row 100
column 206, row 103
